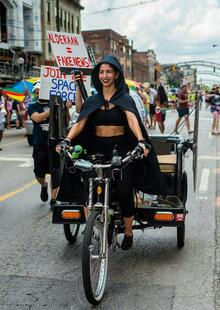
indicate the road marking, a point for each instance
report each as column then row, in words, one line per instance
column 28, row 161
column 21, row 189
column 15, row 142
column 205, row 157
column 205, row 118
column 204, row 182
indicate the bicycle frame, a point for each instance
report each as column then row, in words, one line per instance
column 99, row 205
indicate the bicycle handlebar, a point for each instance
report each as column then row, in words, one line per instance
column 86, row 165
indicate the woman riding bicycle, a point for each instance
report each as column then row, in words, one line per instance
column 110, row 118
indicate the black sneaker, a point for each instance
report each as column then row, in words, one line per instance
column 52, row 203
column 44, row 194
column 127, row 242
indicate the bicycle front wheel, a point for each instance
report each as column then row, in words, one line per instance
column 71, row 232
column 94, row 258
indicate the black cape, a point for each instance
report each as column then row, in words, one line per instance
column 147, row 177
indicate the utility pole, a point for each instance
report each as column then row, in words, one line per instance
column 58, row 15
column 132, row 60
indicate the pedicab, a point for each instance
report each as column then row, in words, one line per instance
column 104, row 222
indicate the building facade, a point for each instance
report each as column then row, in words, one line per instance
column 68, row 20
column 144, row 66
column 107, row 41
column 20, row 36
column 24, row 46
column 138, row 66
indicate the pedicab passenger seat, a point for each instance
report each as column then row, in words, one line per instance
column 167, row 163
column 166, row 150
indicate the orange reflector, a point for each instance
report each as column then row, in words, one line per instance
column 164, row 216
column 99, row 190
column 70, row 214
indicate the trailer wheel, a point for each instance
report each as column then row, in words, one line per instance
column 184, row 188
column 71, row 232
column 181, row 236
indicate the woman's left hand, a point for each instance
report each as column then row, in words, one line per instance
column 146, row 147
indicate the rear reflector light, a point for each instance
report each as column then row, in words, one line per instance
column 164, row 216
column 70, row 214
column 179, row 217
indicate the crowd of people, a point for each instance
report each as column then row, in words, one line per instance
column 13, row 110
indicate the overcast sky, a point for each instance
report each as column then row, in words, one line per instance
column 177, row 30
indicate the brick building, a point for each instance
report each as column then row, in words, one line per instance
column 107, row 41
column 144, row 66
column 138, row 66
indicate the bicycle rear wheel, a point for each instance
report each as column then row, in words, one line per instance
column 94, row 263
column 71, row 232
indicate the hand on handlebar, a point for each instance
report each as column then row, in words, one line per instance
column 63, row 145
column 146, row 147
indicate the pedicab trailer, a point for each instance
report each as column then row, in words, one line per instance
column 150, row 211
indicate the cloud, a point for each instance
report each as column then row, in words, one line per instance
column 176, row 30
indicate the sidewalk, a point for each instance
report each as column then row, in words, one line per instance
column 217, row 233
column 12, row 135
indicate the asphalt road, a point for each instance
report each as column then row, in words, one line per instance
column 40, row 270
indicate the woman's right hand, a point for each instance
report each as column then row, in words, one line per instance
column 62, row 145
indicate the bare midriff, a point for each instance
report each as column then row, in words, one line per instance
column 109, row 131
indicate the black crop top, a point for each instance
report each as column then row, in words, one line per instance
column 112, row 117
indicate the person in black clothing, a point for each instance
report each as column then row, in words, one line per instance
column 109, row 118
column 214, row 99
column 39, row 113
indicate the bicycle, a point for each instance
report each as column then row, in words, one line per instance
column 104, row 221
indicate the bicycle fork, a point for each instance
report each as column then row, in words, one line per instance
column 101, row 207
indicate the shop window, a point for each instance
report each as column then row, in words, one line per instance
column 77, row 25
column 48, row 12
column 68, row 22
column 65, row 20
column 72, row 23
column 3, row 23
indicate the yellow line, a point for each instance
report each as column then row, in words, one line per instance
column 21, row 189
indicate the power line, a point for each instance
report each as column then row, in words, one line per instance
column 120, row 7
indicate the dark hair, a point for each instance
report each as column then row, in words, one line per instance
column 162, row 96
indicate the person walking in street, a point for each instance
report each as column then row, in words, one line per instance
column 214, row 99
column 8, row 109
column 152, row 94
column 24, row 106
column 183, row 109
column 161, row 102
column 138, row 103
column 16, row 108
column 2, row 116
column 39, row 113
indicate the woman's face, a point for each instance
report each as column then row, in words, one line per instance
column 107, row 75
